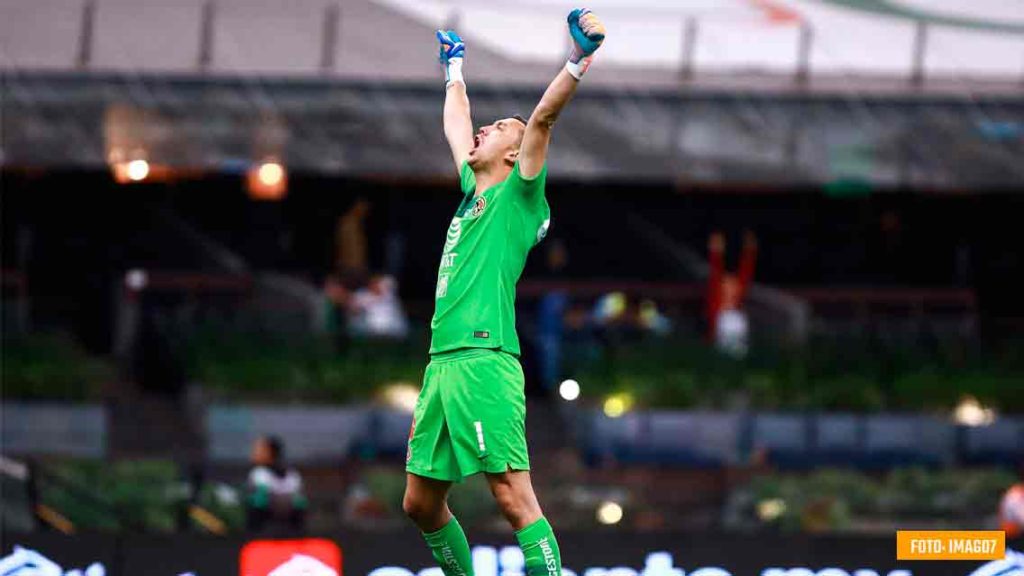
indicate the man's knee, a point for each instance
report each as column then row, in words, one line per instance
column 415, row 507
column 518, row 505
column 425, row 511
column 506, row 500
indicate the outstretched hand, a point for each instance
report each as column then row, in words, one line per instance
column 452, row 46
column 452, row 51
column 587, row 32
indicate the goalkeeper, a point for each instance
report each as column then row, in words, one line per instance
column 471, row 412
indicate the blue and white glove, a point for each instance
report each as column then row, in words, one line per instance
column 453, row 50
column 587, row 32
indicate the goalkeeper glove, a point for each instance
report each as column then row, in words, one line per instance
column 453, row 50
column 587, row 34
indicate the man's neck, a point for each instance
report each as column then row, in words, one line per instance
column 491, row 176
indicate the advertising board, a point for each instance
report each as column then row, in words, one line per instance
column 403, row 553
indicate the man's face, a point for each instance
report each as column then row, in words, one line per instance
column 496, row 143
column 730, row 292
column 261, row 455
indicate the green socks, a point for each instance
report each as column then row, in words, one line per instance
column 451, row 549
column 540, row 549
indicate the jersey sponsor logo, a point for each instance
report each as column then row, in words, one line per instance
column 448, row 260
column 481, row 334
column 543, row 230
column 454, row 232
column 442, row 286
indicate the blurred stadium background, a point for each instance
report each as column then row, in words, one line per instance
column 221, row 220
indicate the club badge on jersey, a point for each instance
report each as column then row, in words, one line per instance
column 476, row 209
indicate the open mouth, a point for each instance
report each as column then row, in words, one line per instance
column 477, row 141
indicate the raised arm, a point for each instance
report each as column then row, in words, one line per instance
column 458, row 124
column 716, row 269
column 587, row 33
column 748, row 259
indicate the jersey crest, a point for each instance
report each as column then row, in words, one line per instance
column 476, row 209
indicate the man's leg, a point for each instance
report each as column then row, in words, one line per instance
column 426, row 498
column 485, row 406
column 514, row 493
column 426, row 503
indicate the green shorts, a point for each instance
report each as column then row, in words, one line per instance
column 470, row 416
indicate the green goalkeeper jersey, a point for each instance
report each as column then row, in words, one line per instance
column 484, row 254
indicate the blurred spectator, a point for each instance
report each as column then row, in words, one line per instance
column 274, row 493
column 336, row 298
column 551, row 317
column 1011, row 510
column 376, row 310
column 614, row 312
column 350, row 241
column 615, row 323
column 652, row 320
column 610, row 309
column 728, row 326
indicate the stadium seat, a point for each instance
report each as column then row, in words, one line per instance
column 387, row 435
column 783, row 437
column 1001, row 442
column 838, row 439
column 50, row 429
column 605, row 439
column 664, row 438
column 902, row 440
column 310, row 435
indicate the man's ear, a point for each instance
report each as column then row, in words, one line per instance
column 511, row 156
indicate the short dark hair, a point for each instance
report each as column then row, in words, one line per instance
column 276, row 447
column 520, row 118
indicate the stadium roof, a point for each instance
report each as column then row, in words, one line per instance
column 898, row 93
column 394, row 129
column 978, row 45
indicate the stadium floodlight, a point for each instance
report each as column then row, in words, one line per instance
column 771, row 509
column 271, row 174
column 569, row 390
column 971, row 412
column 137, row 170
column 609, row 513
column 401, row 396
column 136, row 279
column 267, row 181
column 617, row 404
